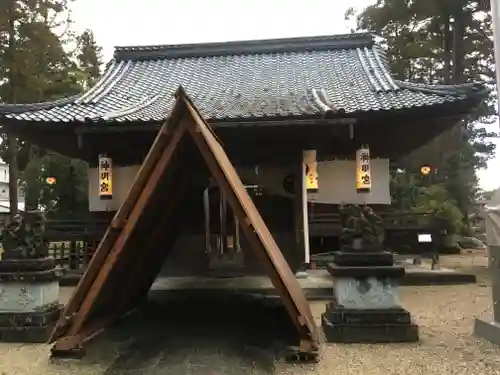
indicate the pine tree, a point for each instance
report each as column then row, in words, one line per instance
column 436, row 42
column 89, row 57
column 37, row 65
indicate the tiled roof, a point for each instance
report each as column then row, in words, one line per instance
column 245, row 80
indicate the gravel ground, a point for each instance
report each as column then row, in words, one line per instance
column 152, row 346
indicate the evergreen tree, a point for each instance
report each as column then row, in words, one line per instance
column 36, row 65
column 67, row 196
column 436, row 42
column 89, row 57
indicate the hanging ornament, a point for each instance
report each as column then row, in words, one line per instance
column 105, row 177
column 363, row 170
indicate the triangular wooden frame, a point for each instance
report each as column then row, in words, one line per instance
column 98, row 300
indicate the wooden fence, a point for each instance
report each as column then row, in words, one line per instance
column 401, row 232
column 73, row 242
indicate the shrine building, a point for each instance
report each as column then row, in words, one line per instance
column 313, row 119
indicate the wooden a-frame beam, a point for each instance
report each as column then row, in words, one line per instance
column 74, row 327
column 255, row 229
column 78, row 317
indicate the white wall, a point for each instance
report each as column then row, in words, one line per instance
column 337, row 183
column 123, row 177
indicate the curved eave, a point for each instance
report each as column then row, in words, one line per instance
column 460, row 91
column 464, row 97
column 110, row 77
column 7, row 110
column 460, row 106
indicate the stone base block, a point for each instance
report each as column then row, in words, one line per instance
column 37, row 318
column 27, row 265
column 75, row 353
column 393, row 272
column 21, row 296
column 35, row 335
column 32, row 327
column 368, row 326
column 340, row 315
column 29, row 272
column 366, row 333
column 354, row 259
column 365, row 294
column 488, row 330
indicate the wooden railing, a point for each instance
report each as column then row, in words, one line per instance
column 73, row 242
column 401, row 231
column 391, row 221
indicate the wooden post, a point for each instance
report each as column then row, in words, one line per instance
column 300, row 218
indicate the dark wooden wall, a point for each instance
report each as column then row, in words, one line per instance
column 188, row 256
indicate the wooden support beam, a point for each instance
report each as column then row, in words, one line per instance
column 124, row 235
column 254, row 227
column 110, row 235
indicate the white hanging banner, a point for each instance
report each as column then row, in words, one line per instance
column 363, row 170
column 105, row 177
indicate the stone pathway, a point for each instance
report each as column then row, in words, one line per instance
column 222, row 338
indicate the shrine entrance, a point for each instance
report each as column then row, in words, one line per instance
column 222, row 233
column 223, row 242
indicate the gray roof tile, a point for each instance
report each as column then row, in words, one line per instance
column 245, row 80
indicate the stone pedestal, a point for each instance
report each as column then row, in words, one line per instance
column 29, row 299
column 365, row 308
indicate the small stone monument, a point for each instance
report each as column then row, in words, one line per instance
column 489, row 327
column 365, row 307
column 29, row 281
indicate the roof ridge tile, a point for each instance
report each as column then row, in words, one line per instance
column 263, row 46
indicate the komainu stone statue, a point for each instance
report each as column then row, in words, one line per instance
column 361, row 227
column 23, row 237
column 376, row 224
column 351, row 226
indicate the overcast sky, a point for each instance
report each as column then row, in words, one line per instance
column 118, row 22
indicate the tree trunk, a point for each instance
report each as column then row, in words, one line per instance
column 458, row 77
column 12, row 98
column 458, row 43
column 447, row 43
